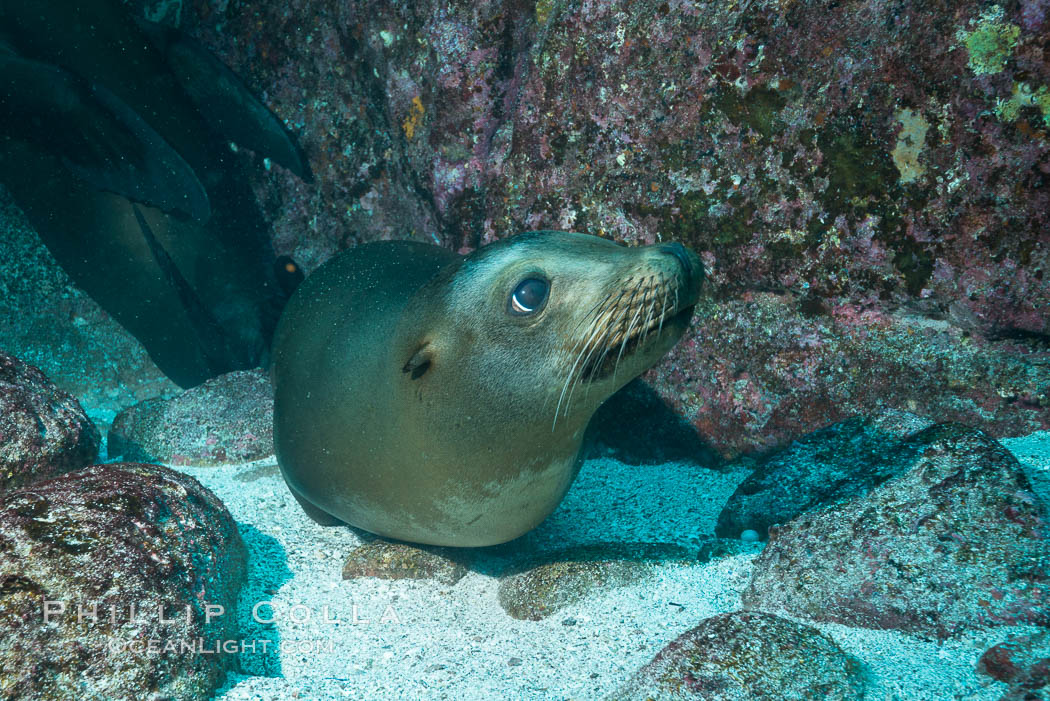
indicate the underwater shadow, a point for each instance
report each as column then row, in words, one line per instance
column 267, row 571
column 636, row 426
column 615, row 511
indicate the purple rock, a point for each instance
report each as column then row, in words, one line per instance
column 956, row 541
column 113, row 544
column 748, row 655
column 228, row 419
column 757, row 372
column 43, row 431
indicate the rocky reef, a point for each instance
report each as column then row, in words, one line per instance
column 228, row 419
column 955, row 541
column 748, row 655
column 870, row 199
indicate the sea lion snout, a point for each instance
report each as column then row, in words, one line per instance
column 692, row 268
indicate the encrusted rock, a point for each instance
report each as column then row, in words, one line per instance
column 536, row 589
column 748, row 655
column 956, row 541
column 43, row 431
column 882, row 242
column 228, row 419
column 112, row 545
column 756, row 372
column 837, row 463
column 1023, row 662
column 391, row 560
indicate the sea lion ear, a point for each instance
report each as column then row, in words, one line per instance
column 419, row 363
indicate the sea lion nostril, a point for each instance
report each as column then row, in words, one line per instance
column 678, row 251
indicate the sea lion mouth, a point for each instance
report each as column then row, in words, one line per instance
column 605, row 365
column 620, row 324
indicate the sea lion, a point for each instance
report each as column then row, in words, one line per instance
column 443, row 399
column 115, row 143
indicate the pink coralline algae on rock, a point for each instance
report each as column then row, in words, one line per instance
column 887, row 172
column 228, row 419
column 748, row 655
column 955, row 541
column 1023, row 662
column 108, row 546
column 761, row 370
column 43, row 431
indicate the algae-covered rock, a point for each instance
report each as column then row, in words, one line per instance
column 956, row 541
column 228, row 419
column 1023, row 662
column 108, row 576
column 43, row 430
column 836, row 463
column 747, row 655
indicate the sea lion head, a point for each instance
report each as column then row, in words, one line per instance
column 546, row 325
column 443, row 399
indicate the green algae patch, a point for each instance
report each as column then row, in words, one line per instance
column 910, row 142
column 991, row 44
column 1023, row 96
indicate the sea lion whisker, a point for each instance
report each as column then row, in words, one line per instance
column 663, row 308
column 604, row 345
column 605, row 352
column 651, row 295
column 627, row 335
column 577, row 377
column 592, row 314
column 593, row 323
column 594, row 329
column 626, row 338
column 586, row 368
column 603, row 342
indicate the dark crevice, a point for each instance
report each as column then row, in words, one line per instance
column 1036, row 338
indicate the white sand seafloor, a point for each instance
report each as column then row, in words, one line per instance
column 456, row 641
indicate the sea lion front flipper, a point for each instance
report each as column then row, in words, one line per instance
column 99, row 138
column 214, row 344
column 224, row 101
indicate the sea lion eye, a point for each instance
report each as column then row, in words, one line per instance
column 528, row 297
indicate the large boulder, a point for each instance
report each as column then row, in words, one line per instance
column 1023, row 662
column 43, row 431
column 748, row 655
column 956, row 541
column 228, row 419
column 836, row 463
column 107, row 579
